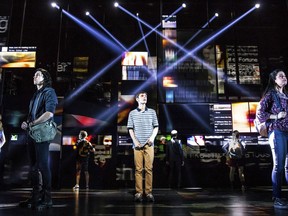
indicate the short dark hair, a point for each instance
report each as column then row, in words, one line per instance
column 141, row 92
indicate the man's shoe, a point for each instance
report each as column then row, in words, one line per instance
column 26, row 203
column 150, row 197
column 280, row 204
column 76, row 187
column 138, row 197
column 36, row 197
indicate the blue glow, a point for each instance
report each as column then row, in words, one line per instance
column 142, row 33
column 163, row 72
column 197, row 117
column 169, row 125
column 54, row 5
column 112, row 46
column 109, row 65
column 101, row 26
column 191, row 53
column 200, row 30
column 171, row 41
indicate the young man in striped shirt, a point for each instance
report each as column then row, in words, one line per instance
column 143, row 128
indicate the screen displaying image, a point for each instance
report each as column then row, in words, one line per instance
column 169, row 21
column 196, row 140
column 18, row 57
column 243, row 115
column 134, row 59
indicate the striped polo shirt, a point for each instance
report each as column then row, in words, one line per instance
column 142, row 123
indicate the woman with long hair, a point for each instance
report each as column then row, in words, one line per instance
column 272, row 109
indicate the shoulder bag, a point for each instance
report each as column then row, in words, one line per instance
column 45, row 131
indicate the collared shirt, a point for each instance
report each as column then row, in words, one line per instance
column 143, row 123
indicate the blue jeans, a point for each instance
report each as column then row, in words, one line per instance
column 39, row 161
column 278, row 141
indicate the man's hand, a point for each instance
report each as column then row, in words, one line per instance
column 24, row 125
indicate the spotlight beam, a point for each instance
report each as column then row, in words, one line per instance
column 199, row 31
column 150, row 80
column 171, row 41
column 109, row 65
column 211, row 38
column 101, row 26
column 197, row 117
column 222, row 30
column 163, row 72
column 142, row 33
column 112, row 46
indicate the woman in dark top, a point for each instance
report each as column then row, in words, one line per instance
column 275, row 114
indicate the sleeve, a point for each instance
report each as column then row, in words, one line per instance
column 155, row 119
column 225, row 147
column 2, row 139
column 181, row 150
column 263, row 111
column 130, row 124
column 51, row 100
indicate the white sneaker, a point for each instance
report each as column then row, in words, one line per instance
column 150, row 197
column 76, row 187
column 138, row 197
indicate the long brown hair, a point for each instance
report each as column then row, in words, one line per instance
column 271, row 82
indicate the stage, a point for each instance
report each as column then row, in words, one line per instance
column 168, row 202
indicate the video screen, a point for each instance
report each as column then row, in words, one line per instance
column 169, row 21
column 18, row 57
column 243, row 115
column 124, row 140
column 196, row 140
column 134, row 59
column 185, row 118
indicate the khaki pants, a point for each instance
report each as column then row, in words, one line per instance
column 144, row 157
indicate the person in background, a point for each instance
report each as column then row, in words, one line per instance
column 2, row 134
column 84, row 147
column 174, row 159
column 143, row 127
column 2, row 142
column 236, row 159
column 272, row 109
column 42, row 108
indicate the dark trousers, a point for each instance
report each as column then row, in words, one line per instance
column 39, row 162
column 175, row 173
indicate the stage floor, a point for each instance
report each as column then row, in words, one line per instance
column 188, row 201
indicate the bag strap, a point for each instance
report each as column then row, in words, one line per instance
column 277, row 100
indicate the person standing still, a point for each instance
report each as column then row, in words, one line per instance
column 174, row 159
column 42, row 108
column 272, row 109
column 143, row 128
column 236, row 159
column 84, row 147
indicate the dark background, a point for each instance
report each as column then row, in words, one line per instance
column 59, row 39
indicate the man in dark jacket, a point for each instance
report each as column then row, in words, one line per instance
column 41, row 109
column 174, row 159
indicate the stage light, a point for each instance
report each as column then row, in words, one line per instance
column 137, row 14
column 257, row 5
column 216, row 14
column 184, row 5
column 116, row 4
column 87, row 13
column 54, row 5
